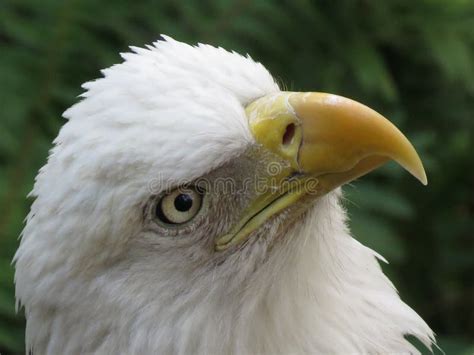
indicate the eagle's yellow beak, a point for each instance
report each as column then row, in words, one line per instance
column 321, row 137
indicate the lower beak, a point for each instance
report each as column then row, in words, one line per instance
column 326, row 137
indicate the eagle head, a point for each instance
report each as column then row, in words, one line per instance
column 190, row 206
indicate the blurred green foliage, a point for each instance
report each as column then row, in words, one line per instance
column 411, row 60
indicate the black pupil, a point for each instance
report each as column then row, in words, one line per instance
column 183, row 202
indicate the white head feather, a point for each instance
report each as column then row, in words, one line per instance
column 92, row 279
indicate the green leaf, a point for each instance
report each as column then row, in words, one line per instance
column 378, row 235
column 377, row 199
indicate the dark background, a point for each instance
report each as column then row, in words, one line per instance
column 413, row 61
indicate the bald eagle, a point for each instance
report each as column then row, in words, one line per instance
column 189, row 206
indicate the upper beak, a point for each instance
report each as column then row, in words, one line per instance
column 329, row 136
column 321, row 137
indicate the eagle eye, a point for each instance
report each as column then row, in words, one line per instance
column 179, row 206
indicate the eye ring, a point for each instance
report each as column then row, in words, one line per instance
column 179, row 206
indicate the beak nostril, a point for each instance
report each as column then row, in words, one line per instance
column 289, row 134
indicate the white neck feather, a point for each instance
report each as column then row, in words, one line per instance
column 323, row 292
